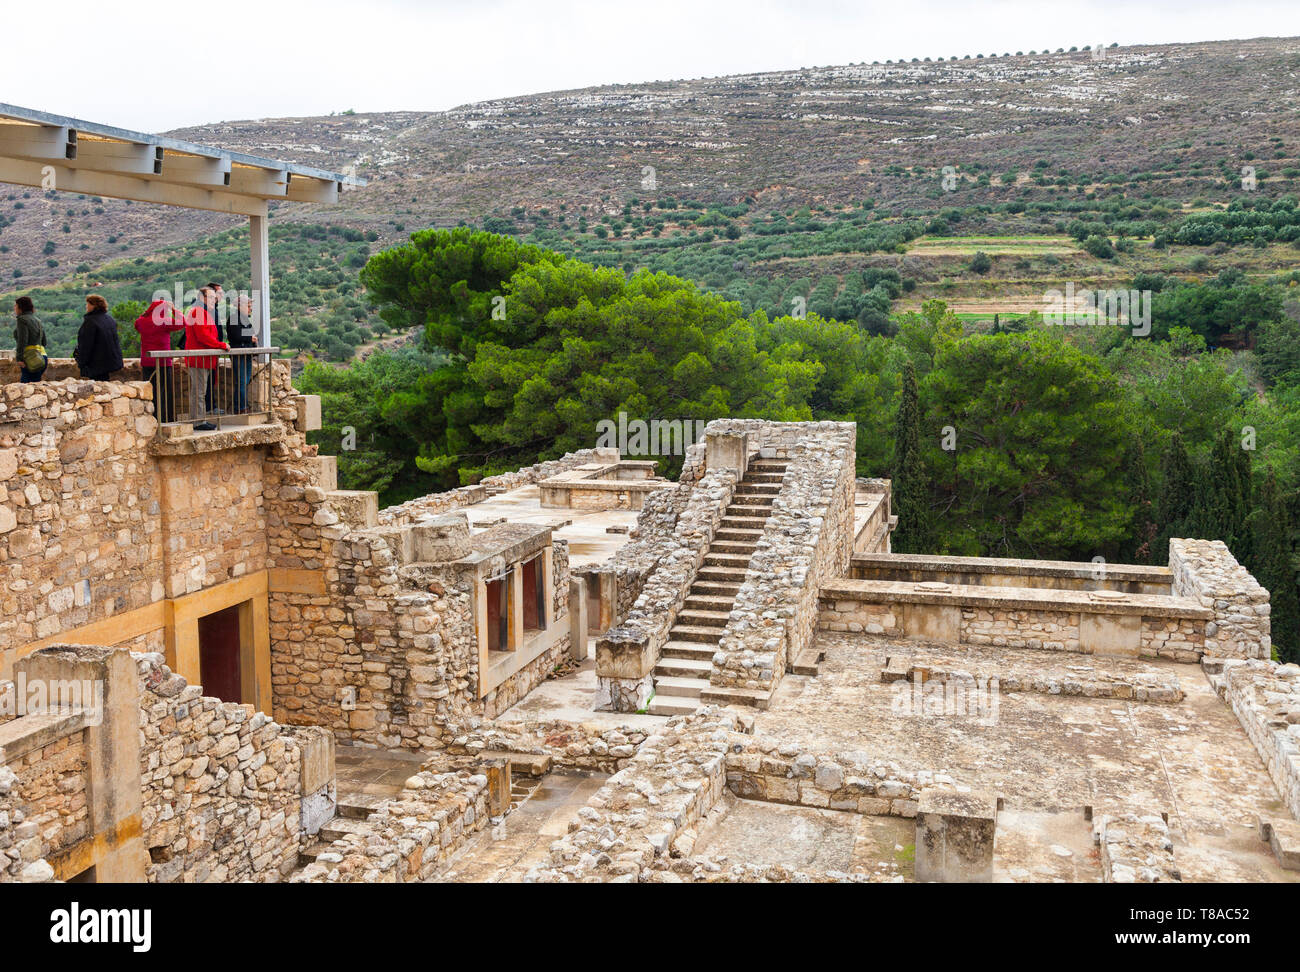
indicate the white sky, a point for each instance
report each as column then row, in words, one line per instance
column 153, row 65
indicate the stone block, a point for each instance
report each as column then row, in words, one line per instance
column 954, row 835
column 308, row 408
column 1110, row 634
column 439, row 539
column 358, row 508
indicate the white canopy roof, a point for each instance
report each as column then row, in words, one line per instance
column 55, row 152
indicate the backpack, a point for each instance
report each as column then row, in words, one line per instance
column 34, row 357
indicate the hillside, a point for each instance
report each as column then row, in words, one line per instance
column 1175, row 119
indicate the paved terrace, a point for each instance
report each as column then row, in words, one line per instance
column 1048, row 754
column 587, row 531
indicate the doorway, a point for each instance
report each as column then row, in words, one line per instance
column 222, row 654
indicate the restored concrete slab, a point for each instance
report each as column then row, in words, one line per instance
column 808, row 839
column 585, row 530
column 1050, row 754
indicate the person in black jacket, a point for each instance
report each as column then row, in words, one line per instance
column 98, row 353
column 240, row 333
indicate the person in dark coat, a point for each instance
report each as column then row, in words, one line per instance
column 98, row 353
column 29, row 337
column 240, row 333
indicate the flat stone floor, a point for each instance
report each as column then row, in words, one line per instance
column 808, row 839
column 1052, row 755
column 571, row 698
column 504, row 853
column 373, row 772
column 589, row 543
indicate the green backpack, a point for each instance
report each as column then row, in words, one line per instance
column 34, row 357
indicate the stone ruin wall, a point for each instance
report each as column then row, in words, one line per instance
column 1265, row 697
column 400, row 636
column 227, row 794
column 223, row 784
column 1207, row 572
column 43, row 808
column 80, row 533
column 807, row 541
column 97, row 518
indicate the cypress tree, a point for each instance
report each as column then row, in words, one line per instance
column 1144, row 549
column 1273, row 565
column 1177, row 494
column 911, row 492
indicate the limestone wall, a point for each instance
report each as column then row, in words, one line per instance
column 408, row 839
column 676, row 777
column 81, row 536
column 223, row 784
column 1149, row 626
column 1206, row 571
column 585, row 746
column 387, row 654
column 43, row 808
column 807, row 541
column 1265, row 697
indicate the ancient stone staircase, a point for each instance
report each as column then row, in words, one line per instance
column 684, row 664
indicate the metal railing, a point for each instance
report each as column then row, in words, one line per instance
column 234, row 390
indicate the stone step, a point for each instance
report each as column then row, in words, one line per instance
column 757, row 511
column 709, row 587
column 755, row 478
column 768, row 465
column 742, row 534
column 722, row 559
column 743, row 548
column 754, row 500
column 703, row 601
column 699, row 651
column 732, row 576
column 309, row 854
column 754, row 523
column 359, row 806
column 672, row 705
column 712, row 619
column 806, row 662
column 339, row 826
column 682, row 687
column 689, row 632
column 692, row 668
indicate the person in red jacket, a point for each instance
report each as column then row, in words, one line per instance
column 156, row 325
column 201, row 334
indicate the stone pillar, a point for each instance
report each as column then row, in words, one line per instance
column 113, row 785
column 497, row 771
column 727, row 450
column 577, row 619
column 317, row 783
column 954, row 836
column 624, row 665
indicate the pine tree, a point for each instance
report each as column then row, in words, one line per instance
column 911, row 500
column 1177, row 494
column 1273, row 565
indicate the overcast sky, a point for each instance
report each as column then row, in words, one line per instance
column 153, row 65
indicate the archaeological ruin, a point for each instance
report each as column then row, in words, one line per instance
column 215, row 665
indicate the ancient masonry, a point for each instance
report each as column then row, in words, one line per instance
column 200, row 630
